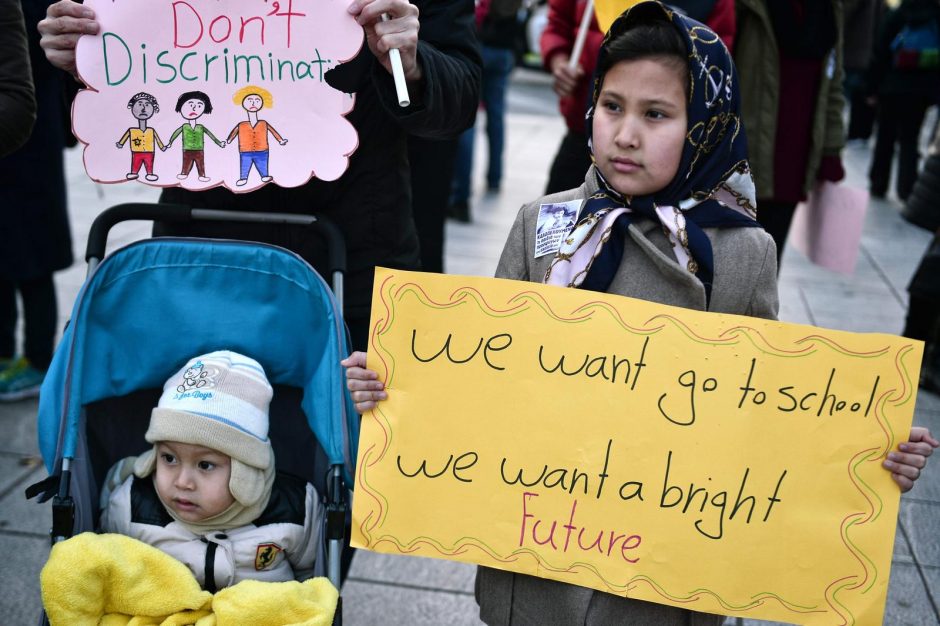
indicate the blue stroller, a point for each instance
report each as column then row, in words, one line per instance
column 148, row 307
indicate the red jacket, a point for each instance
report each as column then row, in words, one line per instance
column 564, row 18
column 722, row 20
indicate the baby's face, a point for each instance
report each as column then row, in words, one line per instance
column 193, row 480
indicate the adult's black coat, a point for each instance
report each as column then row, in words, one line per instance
column 35, row 239
column 371, row 202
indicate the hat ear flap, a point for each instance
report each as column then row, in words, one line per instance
column 246, row 483
column 146, row 463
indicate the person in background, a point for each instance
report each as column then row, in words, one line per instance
column 35, row 240
column 432, row 172
column 860, row 21
column 497, row 24
column 923, row 307
column 571, row 85
column 17, row 100
column 904, row 81
column 789, row 59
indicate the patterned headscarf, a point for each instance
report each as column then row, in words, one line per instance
column 712, row 187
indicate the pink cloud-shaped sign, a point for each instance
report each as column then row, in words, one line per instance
column 202, row 93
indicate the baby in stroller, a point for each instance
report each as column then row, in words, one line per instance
column 207, row 492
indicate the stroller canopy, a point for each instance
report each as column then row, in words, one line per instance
column 154, row 304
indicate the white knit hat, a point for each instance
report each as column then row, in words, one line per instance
column 218, row 400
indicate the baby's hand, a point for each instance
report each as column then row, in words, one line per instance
column 907, row 465
column 364, row 384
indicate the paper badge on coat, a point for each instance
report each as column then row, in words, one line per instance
column 201, row 94
column 553, row 223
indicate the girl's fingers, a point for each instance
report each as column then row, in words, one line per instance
column 903, row 482
column 914, row 460
column 900, row 469
column 364, row 385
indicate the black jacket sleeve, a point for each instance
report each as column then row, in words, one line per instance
column 17, row 99
column 447, row 97
column 450, row 59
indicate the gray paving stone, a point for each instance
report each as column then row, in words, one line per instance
column 20, row 603
column 18, row 425
column 920, row 519
column 367, row 604
column 908, row 603
column 16, row 512
column 410, row 570
column 902, row 550
column 932, row 574
column 792, row 304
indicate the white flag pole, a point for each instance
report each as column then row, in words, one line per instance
column 582, row 35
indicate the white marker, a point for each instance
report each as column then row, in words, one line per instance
column 398, row 73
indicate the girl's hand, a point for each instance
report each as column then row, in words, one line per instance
column 907, row 465
column 367, row 390
column 65, row 22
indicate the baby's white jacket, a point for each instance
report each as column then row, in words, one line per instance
column 280, row 545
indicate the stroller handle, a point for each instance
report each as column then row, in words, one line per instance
column 98, row 235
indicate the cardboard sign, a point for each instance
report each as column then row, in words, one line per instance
column 609, row 10
column 201, row 93
column 721, row 463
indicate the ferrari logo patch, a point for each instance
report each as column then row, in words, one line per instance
column 266, row 555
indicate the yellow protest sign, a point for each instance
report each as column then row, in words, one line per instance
column 715, row 462
column 609, row 10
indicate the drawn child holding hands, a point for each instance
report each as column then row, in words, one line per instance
column 143, row 138
column 667, row 215
column 192, row 105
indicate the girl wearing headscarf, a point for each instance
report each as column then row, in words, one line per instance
column 666, row 213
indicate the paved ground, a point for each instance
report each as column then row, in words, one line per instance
column 411, row 591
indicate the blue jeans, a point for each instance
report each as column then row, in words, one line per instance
column 497, row 64
column 259, row 159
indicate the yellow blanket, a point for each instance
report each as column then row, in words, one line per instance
column 113, row 580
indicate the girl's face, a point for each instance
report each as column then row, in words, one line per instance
column 640, row 125
column 193, row 480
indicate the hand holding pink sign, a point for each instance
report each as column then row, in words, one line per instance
column 243, row 72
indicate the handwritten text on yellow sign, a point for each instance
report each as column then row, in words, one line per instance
column 714, row 462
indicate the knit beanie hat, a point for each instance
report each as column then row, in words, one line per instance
column 219, row 400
